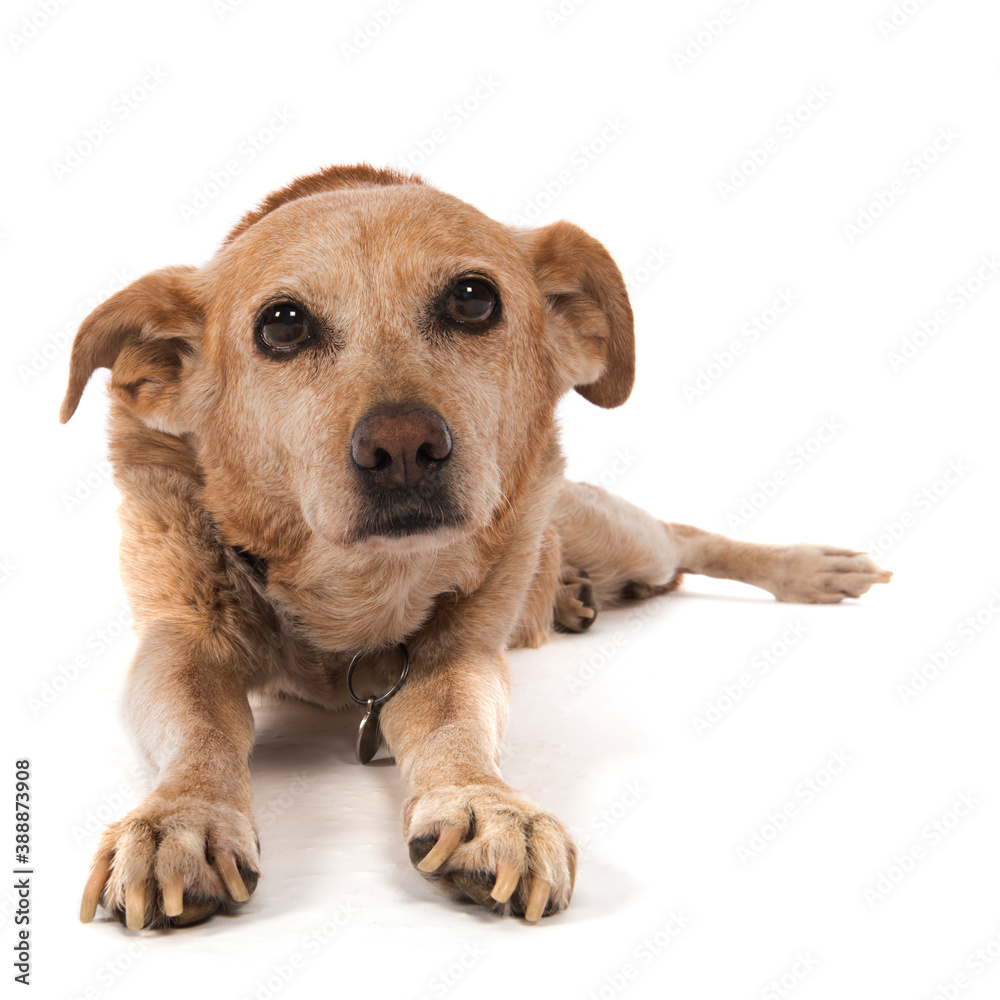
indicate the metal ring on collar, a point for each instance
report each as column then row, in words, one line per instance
column 404, row 656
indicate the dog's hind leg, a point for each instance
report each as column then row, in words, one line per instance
column 624, row 551
column 629, row 553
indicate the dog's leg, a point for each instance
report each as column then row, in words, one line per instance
column 466, row 830
column 625, row 552
column 628, row 553
column 807, row 574
column 191, row 846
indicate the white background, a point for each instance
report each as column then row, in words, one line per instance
column 603, row 730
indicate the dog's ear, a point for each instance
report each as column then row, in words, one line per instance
column 142, row 333
column 589, row 312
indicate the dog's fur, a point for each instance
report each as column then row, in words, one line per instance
column 256, row 559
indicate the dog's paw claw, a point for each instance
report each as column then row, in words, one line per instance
column 575, row 608
column 171, row 863
column 173, row 895
column 507, row 877
column 96, row 880
column 442, row 849
column 492, row 845
column 538, row 900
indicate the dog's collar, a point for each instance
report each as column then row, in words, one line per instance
column 370, row 732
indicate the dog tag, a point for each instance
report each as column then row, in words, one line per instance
column 369, row 733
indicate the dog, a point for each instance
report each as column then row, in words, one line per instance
column 335, row 444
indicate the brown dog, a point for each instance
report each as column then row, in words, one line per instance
column 337, row 437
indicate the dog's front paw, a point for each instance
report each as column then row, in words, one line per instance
column 818, row 574
column 172, row 862
column 493, row 845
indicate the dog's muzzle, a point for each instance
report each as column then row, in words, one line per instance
column 400, row 454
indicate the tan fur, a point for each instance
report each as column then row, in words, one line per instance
column 219, row 448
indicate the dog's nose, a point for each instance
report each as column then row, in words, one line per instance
column 400, row 448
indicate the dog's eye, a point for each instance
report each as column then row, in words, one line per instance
column 283, row 326
column 471, row 300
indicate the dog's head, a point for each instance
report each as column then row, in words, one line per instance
column 368, row 354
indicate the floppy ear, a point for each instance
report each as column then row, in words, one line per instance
column 589, row 311
column 142, row 333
